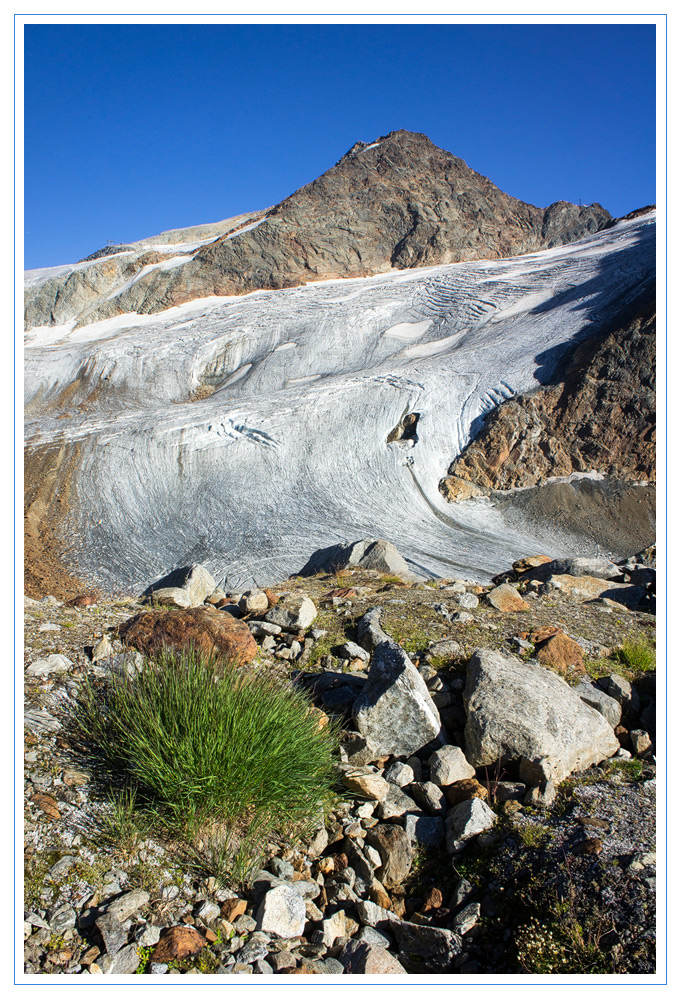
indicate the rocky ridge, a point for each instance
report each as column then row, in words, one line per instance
column 398, row 202
column 432, row 862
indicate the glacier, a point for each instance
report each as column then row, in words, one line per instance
column 247, row 432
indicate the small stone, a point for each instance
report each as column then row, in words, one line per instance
column 148, row 936
column 395, row 849
column 506, row 598
column 232, row 909
column 468, row 788
column 467, row 918
column 400, row 774
column 114, row 932
column 448, row 764
column 467, row 820
column 62, row 919
column 123, row 963
column 560, row 652
column 366, row 782
column 207, row 911
column 158, row 968
column 128, row 904
column 47, row 804
column 49, row 627
column 427, row 831
column 542, row 795
column 244, row 924
column 641, row 741
column 48, row 665
column 282, row 912
column 429, row 796
column 75, row 779
column 362, row 958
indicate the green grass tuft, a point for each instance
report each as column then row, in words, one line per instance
column 228, row 752
column 638, row 655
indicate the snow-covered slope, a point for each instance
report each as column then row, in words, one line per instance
column 246, row 432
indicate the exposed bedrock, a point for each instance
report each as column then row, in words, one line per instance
column 400, row 202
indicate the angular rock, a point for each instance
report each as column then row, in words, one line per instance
column 530, row 562
column 379, row 555
column 374, row 937
column 206, row 630
column 465, row 821
column 427, row 948
column 467, row 788
column 468, row 601
column 399, row 773
column 282, row 912
column 396, row 803
column 363, row 958
column 395, row 849
column 446, row 649
column 195, row 580
column 467, row 918
column 295, row 613
column 114, row 932
column 171, row 597
column 366, row 782
column 394, row 712
column 123, row 963
column 369, row 631
column 506, row 598
column 128, row 904
column 596, row 698
column 427, row 831
column 253, row 601
column 351, row 651
column 448, row 764
column 429, row 796
column 586, row 588
column 597, row 566
column 521, row 710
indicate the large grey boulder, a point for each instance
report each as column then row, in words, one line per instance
column 282, row 912
column 521, row 710
column 380, row 555
column 394, row 712
column 598, row 566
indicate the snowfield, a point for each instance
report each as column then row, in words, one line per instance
column 289, row 452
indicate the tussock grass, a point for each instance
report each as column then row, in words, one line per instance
column 219, row 758
column 638, row 655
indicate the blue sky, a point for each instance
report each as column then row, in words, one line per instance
column 133, row 129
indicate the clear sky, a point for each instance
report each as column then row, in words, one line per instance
column 133, row 129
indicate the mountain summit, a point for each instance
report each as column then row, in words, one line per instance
column 399, row 202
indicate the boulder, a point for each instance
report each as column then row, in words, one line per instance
column 586, row 588
column 506, row 598
column 427, row 831
column 530, row 562
column 394, row 711
column 295, row 613
column 396, row 803
column 446, row 649
column 207, row 631
column 597, row 566
column 521, row 710
column 465, row 821
column 253, row 601
column 171, row 597
column 196, row 581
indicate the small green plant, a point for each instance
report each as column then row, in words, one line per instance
column 124, row 826
column 630, row 768
column 638, row 655
column 145, row 960
column 534, row 835
column 206, row 748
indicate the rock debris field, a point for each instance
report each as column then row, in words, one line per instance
column 494, row 777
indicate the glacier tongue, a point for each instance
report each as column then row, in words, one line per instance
column 289, row 453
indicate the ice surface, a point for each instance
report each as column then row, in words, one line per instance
column 289, row 453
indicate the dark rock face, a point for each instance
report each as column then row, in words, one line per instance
column 600, row 417
column 400, row 202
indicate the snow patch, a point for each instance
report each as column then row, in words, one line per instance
column 406, row 333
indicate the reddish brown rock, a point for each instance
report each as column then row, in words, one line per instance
column 210, row 632
column 272, row 597
column 232, row 908
column 561, row 653
column 178, row 942
column 468, row 788
column 47, row 805
column 82, row 601
column 433, row 900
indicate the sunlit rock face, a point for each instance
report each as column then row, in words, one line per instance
column 399, row 202
column 245, row 432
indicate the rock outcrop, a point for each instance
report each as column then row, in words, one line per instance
column 399, row 202
column 599, row 417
